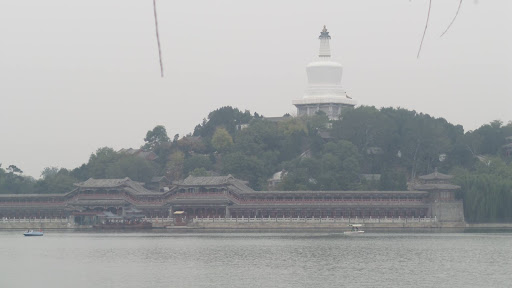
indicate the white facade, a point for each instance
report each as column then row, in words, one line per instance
column 324, row 92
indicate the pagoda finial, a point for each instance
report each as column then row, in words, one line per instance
column 325, row 50
column 324, row 34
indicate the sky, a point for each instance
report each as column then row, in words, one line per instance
column 79, row 75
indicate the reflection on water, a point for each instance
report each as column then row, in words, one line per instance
column 165, row 259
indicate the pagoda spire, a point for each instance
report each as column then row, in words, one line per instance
column 325, row 50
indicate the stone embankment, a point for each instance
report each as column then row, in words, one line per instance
column 266, row 224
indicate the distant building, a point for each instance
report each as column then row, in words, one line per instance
column 508, row 147
column 444, row 205
column 225, row 196
column 160, row 183
column 324, row 92
column 276, row 179
column 146, row 155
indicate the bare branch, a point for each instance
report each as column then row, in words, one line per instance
column 158, row 41
column 426, row 25
column 453, row 20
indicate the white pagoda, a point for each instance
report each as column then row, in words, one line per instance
column 324, row 92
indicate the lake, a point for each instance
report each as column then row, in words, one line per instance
column 169, row 259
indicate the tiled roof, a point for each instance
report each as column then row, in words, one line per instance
column 125, row 183
column 330, row 193
column 436, row 176
column 102, row 183
column 209, row 180
column 159, row 179
column 436, row 187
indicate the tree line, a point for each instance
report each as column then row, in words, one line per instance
column 313, row 153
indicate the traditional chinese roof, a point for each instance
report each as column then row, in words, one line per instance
column 325, row 135
column 436, row 186
column 207, row 181
column 436, row 176
column 331, row 193
column 99, row 202
column 125, row 183
column 102, row 183
column 158, row 179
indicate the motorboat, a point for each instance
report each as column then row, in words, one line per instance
column 33, row 233
column 355, row 229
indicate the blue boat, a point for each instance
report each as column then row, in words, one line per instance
column 33, row 233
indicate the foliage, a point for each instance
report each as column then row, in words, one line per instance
column 315, row 153
column 487, row 191
column 175, row 165
column 13, row 182
column 155, row 138
column 245, row 167
column 221, row 139
column 335, row 168
column 227, row 117
column 194, row 162
column 55, row 180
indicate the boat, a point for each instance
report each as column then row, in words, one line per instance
column 33, row 233
column 355, row 229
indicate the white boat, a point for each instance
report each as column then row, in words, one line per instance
column 33, row 233
column 355, row 229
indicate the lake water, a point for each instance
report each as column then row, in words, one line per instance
column 167, row 259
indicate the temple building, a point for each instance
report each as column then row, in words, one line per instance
column 225, row 196
column 324, row 91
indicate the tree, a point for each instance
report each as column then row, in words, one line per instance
column 245, row 167
column 221, row 139
column 196, row 162
column 199, row 172
column 14, row 169
column 100, row 161
column 136, row 168
column 227, row 117
column 49, row 171
column 55, row 180
column 155, row 138
column 12, row 182
column 174, row 167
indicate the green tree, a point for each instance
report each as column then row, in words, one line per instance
column 136, row 168
column 55, row 180
column 175, row 165
column 249, row 168
column 100, row 161
column 155, row 138
column 196, row 162
column 221, row 139
column 228, row 117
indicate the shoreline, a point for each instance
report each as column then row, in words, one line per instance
column 276, row 227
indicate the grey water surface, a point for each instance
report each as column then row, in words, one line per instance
column 166, row 259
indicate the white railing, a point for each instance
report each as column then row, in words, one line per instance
column 35, row 220
column 158, row 219
column 315, row 220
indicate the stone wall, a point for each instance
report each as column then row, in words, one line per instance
column 448, row 211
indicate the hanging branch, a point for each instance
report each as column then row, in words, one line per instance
column 425, row 31
column 158, row 41
column 453, row 20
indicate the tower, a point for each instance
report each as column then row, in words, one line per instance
column 324, row 91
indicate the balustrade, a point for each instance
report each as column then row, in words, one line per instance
column 315, row 219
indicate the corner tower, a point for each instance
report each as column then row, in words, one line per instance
column 324, row 92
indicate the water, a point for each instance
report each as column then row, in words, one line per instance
column 166, row 259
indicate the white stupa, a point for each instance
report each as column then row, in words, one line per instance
column 324, row 92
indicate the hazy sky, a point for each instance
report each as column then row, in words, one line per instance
column 79, row 75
